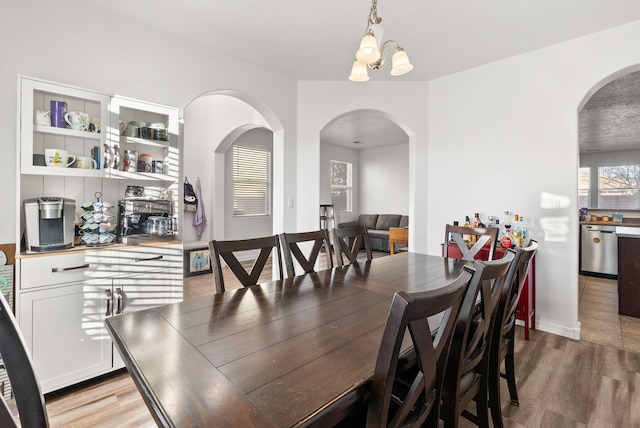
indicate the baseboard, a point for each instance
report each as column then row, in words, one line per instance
column 557, row 329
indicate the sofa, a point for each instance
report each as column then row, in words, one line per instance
column 378, row 226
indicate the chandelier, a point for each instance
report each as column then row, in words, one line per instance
column 372, row 51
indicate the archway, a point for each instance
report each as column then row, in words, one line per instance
column 375, row 146
column 212, row 121
column 608, row 142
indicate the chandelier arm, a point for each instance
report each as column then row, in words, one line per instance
column 386, row 47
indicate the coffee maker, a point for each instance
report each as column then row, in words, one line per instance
column 49, row 223
column 144, row 219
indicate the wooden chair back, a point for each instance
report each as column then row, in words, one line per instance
column 503, row 335
column 291, row 249
column 24, row 384
column 347, row 242
column 418, row 403
column 483, row 236
column 466, row 372
column 226, row 250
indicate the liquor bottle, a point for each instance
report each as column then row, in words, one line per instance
column 515, row 232
column 466, row 237
column 506, row 239
column 522, row 229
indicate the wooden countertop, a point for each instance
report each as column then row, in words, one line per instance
column 83, row 247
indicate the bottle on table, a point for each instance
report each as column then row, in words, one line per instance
column 515, row 232
column 507, row 240
column 466, row 237
column 522, row 230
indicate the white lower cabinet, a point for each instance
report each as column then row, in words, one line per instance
column 64, row 329
column 63, row 300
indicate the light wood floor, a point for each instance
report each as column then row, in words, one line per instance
column 594, row 382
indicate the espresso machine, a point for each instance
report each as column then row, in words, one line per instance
column 49, row 223
column 145, row 219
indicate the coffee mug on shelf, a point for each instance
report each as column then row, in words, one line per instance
column 86, row 162
column 58, row 158
column 58, row 110
column 77, row 120
column 43, row 118
column 144, row 162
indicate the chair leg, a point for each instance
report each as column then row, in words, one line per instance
column 510, row 372
column 494, row 393
column 482, row 408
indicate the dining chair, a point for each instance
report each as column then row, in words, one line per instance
column 24, row 383
column 484, row 236
column 226, row 251
column 503, row 336
column 466, row 374
column 413, row 398
column 290, row 249
column 347, row 242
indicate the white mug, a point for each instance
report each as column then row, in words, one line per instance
column 77, row 120
column 43, row 118
column 58, row 158
column 86, row 162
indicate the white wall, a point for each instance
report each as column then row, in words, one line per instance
column 251, row 226
column 505, row 138
column 384, row 180
column 329, row 152
column 35, row 47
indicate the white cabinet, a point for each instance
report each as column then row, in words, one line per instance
column 63, row 300
column 64, row 330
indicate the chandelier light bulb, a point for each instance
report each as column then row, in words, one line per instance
column 359, row 72
column 400, row 63
column 368, row 51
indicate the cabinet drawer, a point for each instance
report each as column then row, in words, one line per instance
column 51, row 270
column 148, row 258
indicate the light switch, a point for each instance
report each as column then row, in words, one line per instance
column 290, row 202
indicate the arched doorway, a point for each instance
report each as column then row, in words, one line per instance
column 609, row 143
column 374, row 146
column 212, row 122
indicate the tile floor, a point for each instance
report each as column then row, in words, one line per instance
column 598, row 314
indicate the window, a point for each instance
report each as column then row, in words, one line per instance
column 618, row 186
column 251, row 181
column 341, row 186
column 584, row 185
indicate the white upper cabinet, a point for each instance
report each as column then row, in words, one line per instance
column 67, row 148
column 143, row 132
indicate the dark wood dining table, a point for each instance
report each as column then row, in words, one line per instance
column 280, row 354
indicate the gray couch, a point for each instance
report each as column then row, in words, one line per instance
column 378, row 226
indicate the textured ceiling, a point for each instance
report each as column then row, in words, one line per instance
column 610, row 119
column 316, row 40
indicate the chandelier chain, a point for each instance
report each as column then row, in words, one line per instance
column 373, row 14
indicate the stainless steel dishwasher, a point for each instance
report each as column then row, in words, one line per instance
column 599, row 250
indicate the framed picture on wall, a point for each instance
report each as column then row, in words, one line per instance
column 197, row 261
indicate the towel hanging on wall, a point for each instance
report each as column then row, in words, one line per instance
column 200, row 219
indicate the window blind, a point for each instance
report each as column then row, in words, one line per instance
column 251, row 181
column 341, row 186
